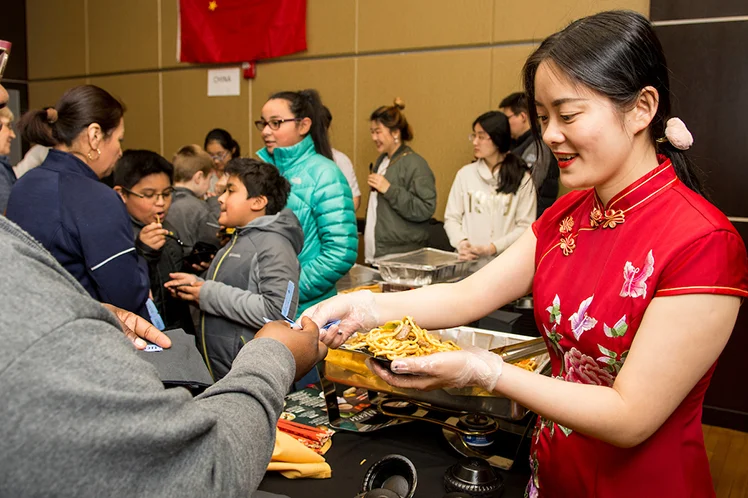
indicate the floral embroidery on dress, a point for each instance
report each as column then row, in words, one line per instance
column 555, row 311
column 567, row 242
column 635, row 280
column 533, row 487
column 583, row 369
column 581, row 321
column 608, row 219
column 611, row 360
column 617, row 330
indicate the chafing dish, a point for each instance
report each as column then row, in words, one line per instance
column 348, row 368
column 422, row 267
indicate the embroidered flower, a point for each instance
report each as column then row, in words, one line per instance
column 613, row 218
column 635, row 280
column 617, row 330
column 566, row 225
column 580, row 321
column 555, row 311
column 583, row 369
column 568, row 244
column 596, row 217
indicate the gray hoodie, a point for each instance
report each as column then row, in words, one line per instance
column 83, row 416
column 248, row 281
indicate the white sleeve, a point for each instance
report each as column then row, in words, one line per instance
column 346, row 166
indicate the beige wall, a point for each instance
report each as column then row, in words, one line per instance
column 449, row 60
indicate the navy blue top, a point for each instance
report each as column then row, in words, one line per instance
column 85, row 225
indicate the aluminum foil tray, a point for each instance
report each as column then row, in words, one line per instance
column 348, row 368
column 422, row 267
column 357, row 276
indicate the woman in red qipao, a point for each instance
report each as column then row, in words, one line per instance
column 636, row 278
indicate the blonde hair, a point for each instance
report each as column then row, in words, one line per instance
column 189, row 160
column 6, row 113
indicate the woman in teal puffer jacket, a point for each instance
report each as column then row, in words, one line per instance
column 296, row 142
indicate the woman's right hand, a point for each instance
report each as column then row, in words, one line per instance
column 464, row 251
column 357, row 311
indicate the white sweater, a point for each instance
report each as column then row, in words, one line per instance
column 477, row 213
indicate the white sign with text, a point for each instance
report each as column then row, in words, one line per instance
column 224, row 82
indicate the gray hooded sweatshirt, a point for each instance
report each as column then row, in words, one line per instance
column 248, row 281
column 84, row 416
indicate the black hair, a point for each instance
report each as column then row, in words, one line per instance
column 261, row 178
column 78, row 108
column 615, row 54
column 392, row 117
column 225, row 140
column 134, row 165
column 516, row 101
column 513, row 168
column 326, row 116
column 308, row 104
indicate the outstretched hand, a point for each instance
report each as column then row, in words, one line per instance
column 137, row 328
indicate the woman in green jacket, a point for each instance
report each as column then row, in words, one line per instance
column 296, row 142
column 403, row 191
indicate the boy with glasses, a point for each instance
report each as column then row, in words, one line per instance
column 143, row 179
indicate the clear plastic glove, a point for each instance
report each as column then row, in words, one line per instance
column 469, row 367
column 464, row 252
column 357, row 311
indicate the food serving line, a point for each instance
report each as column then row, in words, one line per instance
column 434, row 429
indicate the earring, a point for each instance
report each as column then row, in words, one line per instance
column 98, row 152
column 397, row 140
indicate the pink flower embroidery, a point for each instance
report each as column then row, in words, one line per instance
column 583, row 369
column 580, row 321
column 635, row 280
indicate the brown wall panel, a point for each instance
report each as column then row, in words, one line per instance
column 523, row 20
column 56, row 38
column 123, row 36
column 506, row 70
column 394, row 24
column 189, row 114
column 332, row 78
column 443, row 93
column 690, row 9
column 139, row 93
column 47, row 93
column 330, row 27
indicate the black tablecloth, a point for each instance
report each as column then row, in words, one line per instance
column 421, row 442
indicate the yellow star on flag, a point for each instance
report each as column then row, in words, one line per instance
column 213, row 5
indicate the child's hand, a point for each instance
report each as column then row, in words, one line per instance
column 203, row 266
column 184, row 286
column 153, row 235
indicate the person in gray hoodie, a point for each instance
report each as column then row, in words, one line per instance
column 255, row 276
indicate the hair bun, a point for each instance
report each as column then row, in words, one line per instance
column 51, row 115
column 399, row 103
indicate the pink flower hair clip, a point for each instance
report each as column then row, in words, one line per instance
column 677, row 134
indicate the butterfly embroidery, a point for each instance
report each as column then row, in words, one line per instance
column 581, row 321
column 617, row 330
column 635, row 279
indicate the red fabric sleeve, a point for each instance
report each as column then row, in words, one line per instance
column 714, row 264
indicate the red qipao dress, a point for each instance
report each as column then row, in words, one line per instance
column 597, row 269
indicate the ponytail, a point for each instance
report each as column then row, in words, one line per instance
column 308, row 104
column 36, row 128
column 686, row 170
column 512, row 171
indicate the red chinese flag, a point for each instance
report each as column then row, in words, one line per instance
column 228, row 31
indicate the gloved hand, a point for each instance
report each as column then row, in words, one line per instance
column 468, row 367
column 357, row 311
column 482, row 251
column 464, row 251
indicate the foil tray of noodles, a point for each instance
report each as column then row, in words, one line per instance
column 402, row 338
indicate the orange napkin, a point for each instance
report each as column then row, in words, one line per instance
column 294, row 460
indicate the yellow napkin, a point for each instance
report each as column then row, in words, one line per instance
column 294, row 460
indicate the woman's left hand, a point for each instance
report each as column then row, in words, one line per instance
column 378, row 183
column 469, row 367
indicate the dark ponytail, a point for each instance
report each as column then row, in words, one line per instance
column 308, row 104
column 513, row 168
column 78, row 108
column 225, row 140
column 616, row 54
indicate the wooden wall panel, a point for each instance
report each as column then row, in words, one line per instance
column 394, row 24
column 514, row 21
column 694, row 9
column 189, row 114
column 443, row 93
column 139, row 93
column 47, row 93
column 506, row 70
column 111, row 26
column 56, row 38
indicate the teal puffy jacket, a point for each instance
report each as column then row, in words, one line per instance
column 321, row 199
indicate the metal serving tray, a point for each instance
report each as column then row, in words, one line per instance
column 357, row 276
column 422, row 267
column 348, row 368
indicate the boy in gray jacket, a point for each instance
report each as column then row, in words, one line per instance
column 255, row 275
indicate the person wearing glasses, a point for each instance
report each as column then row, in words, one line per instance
column 63, row 205
column 536, row 154
column 492, row 200
column 144, row 181
column 222, row 148
column 7, row 175
column 296, row 142
column 402, row 196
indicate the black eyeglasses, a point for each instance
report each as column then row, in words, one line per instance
column 151, row 196
column 274, row 124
